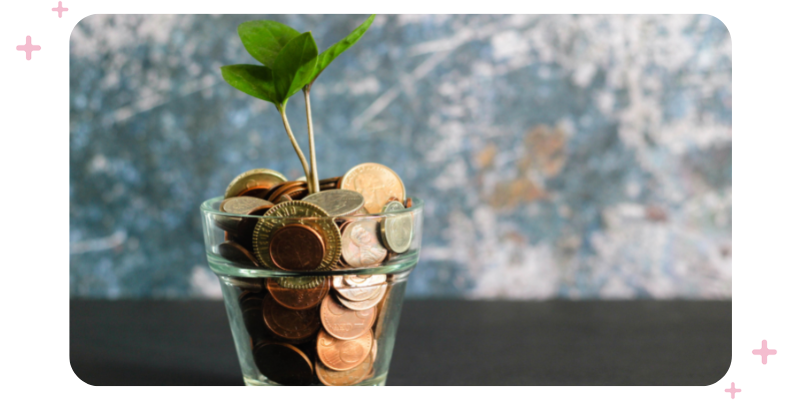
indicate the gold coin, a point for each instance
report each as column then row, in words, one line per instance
column 376, row 182
column 397, row 230
column 337, row 202
column 259, row 177
column 297, row 212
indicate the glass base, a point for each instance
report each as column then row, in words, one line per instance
column 376, row 381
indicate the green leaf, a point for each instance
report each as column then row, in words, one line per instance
column 340, row 47
column 265, row 39
column 294, row 66
column 254, row 80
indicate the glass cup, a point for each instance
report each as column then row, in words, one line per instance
column 313, row 301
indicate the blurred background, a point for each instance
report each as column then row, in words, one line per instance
column 577, row 157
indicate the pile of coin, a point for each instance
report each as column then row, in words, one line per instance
column 325, row 334
column 320, row 327
column 304, row 231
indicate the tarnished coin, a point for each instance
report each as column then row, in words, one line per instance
column 330, row 377
column 376, row 182
column 343, row 323
column 297, row 212
column 364, row 280
column 244, row 231
column 236, row 253
column 367, row 304
column 355, row 293
column 250, row 303
column 296, row 247
column 284, row 364
column 255, row 178
column 360, row 245
column 342, row 355
column 337, row 202
column 397, row 230
column 297, row 299
column 287, row 323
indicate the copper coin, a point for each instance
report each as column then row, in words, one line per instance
column 246, row 226
column 368, row 304
column 298, row 299
column 283, row 198
column 342, row 322
column 330, row 377
column 236, row 253
column 409, row 203
column 260, row 177
column 289, row 324
column 355, row 293
column 376, row 182
column 284, row 364
column 360, row 245
column 296, row 247
column 342, row 355
column 285, row 188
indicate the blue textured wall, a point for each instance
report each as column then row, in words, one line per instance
column 560, row 156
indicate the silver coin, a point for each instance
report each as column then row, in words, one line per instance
column 357, row 293
column 337, row 202
column 397, row 230
column 364, row 280
column 366, row 304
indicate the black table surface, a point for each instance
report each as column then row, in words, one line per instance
column 439, row 342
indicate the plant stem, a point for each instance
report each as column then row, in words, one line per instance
column 299, row 152
column 314, row 181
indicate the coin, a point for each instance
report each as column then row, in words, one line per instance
column 297, row 299
column 376, row 182
column 343, row 323
column 367, row 304
column 300, row 282
column 364, row 280
column 330, row 377
column 283, row 198
column 286, row 188
column 360, row 246
column 250, row 303
column 397, row 230
column 297, row 212
column 244, row 231
column 284, row 364
column 337, row 202
column 342, row 355
column 409, row 203
column 355, row 293
column 287, row 323
column 255, row 178
column 296, row 247
column 236, row 253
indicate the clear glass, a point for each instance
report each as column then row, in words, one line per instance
column 273, row 341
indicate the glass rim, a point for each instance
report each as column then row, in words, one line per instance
column 206, row 208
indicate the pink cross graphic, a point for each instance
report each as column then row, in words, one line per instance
column 763, row 351
column 60, row 9
column 28, row 48
column 733, row 390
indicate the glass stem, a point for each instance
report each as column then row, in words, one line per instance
column 313, row 183
column 297, row 149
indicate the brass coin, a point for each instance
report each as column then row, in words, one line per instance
column 330, row 377
column 337, row 202
column 343, row 323
column 297, row 299
column 287, row 323
column 343, row 355
column 297, row 212
column 300, row 282
column 397, row 230
column 367, row 304
column 355, row 293
column 376, row 182
column 360, row 245
column 296, row 247
column 244, row 231
column 284, row 364
column 236, row 253
column 260, row 177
